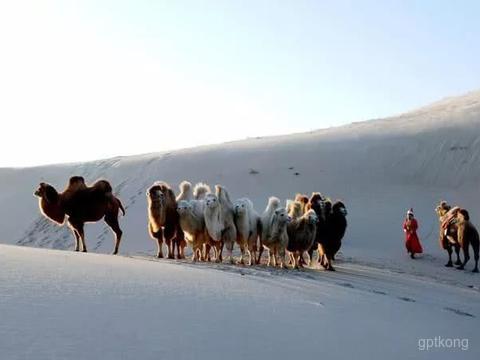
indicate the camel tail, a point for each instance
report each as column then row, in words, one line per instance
column 121, row 206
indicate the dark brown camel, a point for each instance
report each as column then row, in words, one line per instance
column 81, row 203
column 164, row 221
column 467, row 235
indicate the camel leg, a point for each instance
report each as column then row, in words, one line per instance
column 206, row 254
column 466, row 256
column 457, row 251
column 218, row 251
column 113, row 223
column 270, row 262
column 159, row 237
column 181, row 243
column 195, row 251
column 281, row 261
column 242, row 253
column 309, row 259
column 449, row 251
column 475, row 256
column 78, row 226
column 296, row 260
column 252, row 253
column 77, row 239
column 278, row 262
column 229, row 246
column 310, row 254
column 169, row 233
column 260, row 252
column 329, row 263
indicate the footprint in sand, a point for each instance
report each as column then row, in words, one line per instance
column 347, row 285
column 459, row 312
column 407, row 299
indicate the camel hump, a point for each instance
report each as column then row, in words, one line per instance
column 76, row 183
column 102, row 186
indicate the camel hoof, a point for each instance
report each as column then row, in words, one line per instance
column 475, row 270
column 171, row 257
column 460, row 268
column 449, row 264
column 458, row 262
column 84, row 250
column 115, row 253
column 160, row 256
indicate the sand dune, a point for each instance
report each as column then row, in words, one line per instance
column 379, row 168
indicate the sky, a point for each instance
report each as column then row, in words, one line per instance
column 84, row 80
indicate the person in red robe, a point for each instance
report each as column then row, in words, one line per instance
column 412, row 243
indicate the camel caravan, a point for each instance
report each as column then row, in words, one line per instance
column 209, row 221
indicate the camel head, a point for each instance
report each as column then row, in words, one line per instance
column 303, row 199
column 49, row 202
column 47, row 192
column 156, row 195
column 327, row 206
column 442, row 209
column 311, row 217
column 239, row 207
column 157, row 201
column 281, row 216
column 462, row 216
column 317, row 199
column 184, row 207
column 339, row 207
column 211, row 201
column 295, row 209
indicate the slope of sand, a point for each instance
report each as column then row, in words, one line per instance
column 65, row 305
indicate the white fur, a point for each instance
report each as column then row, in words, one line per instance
column 246, row 221
column 185, row 191
column 274, row 236
column 219, row 219
column 192, row 223
column 200, row 191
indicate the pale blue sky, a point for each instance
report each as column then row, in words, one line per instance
column 218, row 70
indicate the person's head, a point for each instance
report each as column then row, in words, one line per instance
column 410, row 214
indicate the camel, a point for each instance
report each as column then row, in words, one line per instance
column 467, row 235
column 81, row 204
column 219, row 221
column 301, row 234
column 448, row 238
column 335, row 226
column 247, row 222
column 192, row 223
column 273, row 234
column 163, row 220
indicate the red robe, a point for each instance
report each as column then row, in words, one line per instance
column 412, row 243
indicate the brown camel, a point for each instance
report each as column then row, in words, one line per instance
column 164, row 221
column 467, row 235
column 81, row 203
column 448, row 238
